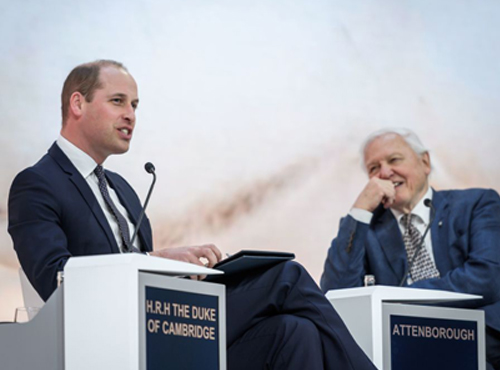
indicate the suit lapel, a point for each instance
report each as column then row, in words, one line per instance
column 391, row 242
column 81, row 184
column 439, row 236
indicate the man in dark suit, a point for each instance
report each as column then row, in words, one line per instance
column 67, row 205
column 461, row 253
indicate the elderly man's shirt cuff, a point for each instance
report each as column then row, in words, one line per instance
column 361, row 215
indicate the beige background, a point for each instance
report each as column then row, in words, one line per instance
column 253, row 111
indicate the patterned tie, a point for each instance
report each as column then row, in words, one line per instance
column 422, row 267
column 122, row 223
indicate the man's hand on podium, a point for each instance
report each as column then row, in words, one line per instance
column 203, row 255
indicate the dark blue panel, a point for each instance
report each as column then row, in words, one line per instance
column 426, row 343
column 182, row 330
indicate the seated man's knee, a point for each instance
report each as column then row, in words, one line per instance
column 291, row 270
column 301, row 329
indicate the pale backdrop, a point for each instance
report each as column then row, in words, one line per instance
column 252, row 111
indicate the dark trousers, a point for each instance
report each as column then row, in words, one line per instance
column 278, row 318
column 493, row 348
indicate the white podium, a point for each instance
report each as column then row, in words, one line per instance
column 398, row 327
column 122, row 311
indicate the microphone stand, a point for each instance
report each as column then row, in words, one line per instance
column 150, row 168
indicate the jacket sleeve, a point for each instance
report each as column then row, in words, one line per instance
column 35, row 228
column 474, row 244
column 345, row 262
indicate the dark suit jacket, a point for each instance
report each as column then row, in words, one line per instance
column 54, row 215
column 465, row 240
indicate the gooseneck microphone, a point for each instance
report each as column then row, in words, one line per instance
column 427, row 203
column 150, row 168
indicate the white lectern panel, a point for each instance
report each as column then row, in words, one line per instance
column 101, row 307
column 362, row 310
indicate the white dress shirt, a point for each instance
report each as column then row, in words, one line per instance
column 86, row 165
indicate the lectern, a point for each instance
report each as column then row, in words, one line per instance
column 123, row 311
column 402, row 329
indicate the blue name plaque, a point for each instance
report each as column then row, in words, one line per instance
column 182, row 330
column 429, row 343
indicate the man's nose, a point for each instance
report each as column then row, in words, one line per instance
column 385, row 171
column 129, row 114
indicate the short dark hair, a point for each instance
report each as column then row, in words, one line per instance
column 84, row 79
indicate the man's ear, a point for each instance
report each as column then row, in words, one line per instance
column 76, row 102
column 426, row 161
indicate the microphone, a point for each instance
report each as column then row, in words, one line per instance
column 150, row 168
column 427, row 203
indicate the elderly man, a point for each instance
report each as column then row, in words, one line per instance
column 67, row 205
column 384, row 229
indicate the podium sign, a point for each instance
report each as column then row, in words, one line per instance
column 397, row 332
column 182, row 326
column 105, row 307
column 431, row 338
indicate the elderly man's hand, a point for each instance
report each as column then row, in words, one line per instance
column 193, row 254
column 375, row 192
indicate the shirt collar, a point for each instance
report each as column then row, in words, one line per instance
column 81, row 160
column 420, row 210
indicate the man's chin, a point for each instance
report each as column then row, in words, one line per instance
column 121, row 149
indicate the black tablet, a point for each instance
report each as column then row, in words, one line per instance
column 252, row 259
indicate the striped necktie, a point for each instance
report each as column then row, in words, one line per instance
column 122, row 222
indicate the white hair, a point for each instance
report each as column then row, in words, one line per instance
column 406, row 134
